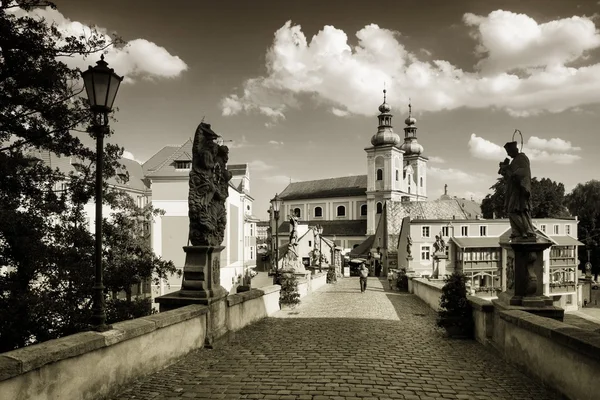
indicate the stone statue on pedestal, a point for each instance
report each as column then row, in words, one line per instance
column 517, row 198
column 208, row 192
column 409, row 246
column 524, row 287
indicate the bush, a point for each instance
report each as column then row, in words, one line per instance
column 455, row 311
column 289, row 294
column 118, row 310
column 402, row 281
column 331, row 276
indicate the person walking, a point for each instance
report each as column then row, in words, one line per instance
column 363, row 273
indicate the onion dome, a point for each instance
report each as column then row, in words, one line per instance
column 412, row 147
column 385, row 134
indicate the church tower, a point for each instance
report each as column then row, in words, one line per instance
column 415, row 164
column 384, row 167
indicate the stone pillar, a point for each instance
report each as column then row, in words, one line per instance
column 524, row 279
column 439, row 265
column 201, row 285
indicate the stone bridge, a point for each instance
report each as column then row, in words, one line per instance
column 341, row 344
column 338, row 344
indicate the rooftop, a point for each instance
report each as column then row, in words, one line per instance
column 323, row 188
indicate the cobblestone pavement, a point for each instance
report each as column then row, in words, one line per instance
column 340, row 344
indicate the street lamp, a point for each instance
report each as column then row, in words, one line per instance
column 101, row 84
column 276, row 203
column 320, row 232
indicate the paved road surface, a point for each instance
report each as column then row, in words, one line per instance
column 340, row 344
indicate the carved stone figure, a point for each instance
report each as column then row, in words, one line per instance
column 517, row 198
column 293, row 229
column 409, row 246
column 510, row 272
column 439, row 245
column 209, row 181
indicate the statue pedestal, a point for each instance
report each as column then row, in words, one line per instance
column 409, row 267
column 439, row 265
column 201, row 285
column 524, row 276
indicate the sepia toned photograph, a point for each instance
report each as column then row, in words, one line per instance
column 310, row 200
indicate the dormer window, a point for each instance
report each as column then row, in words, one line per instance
column 183, row 165
column 380, row 174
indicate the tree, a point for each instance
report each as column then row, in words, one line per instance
column 46, row 250
column 584, row 201
column 547, row 198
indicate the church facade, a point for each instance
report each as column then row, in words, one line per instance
column 349, row 208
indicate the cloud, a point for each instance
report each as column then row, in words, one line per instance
column 259, row 165
column 139, row 58
column 554, row 150
column 278, row 179
column 339, row 113
column 522, row 70
column 129, row 155
column 437, row 160
column 275, row 143
column 484, row 149
column 554, row 144
column 510, row 41
column 237, row 144
column 454, row 175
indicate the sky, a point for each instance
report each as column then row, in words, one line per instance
column 296, row 86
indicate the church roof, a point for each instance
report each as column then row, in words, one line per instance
column 323, row 188
column 437, row 209
column 338, row 228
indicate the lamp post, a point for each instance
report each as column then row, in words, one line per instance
column 334, row 256
column 101, row 84
column 320, row 232
column 276, row 203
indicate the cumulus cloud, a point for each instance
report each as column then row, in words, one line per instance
column 278, row 179
column 138, row 58
column 437, row 160
column 454, row 175
column 523, row 70
column 259, row 165
column 484, row 149
column 554, row 150
column 237, row 144
column 129, row 155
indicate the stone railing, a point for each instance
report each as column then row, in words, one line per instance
column 563, row 357
column 93, row 365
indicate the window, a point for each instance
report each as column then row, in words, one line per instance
column 445, row 231
column 318, row 212
column 556, row 227
column 464, row 230
column 543, row 228
column 297, row 212
column 421, row 181
column 248, row 207
column 379, row 174
column 397, row 175
column 425, row 253
column 425, row 231
column 567, row 229
column 310, row 243
column 251, row 229
column 183, row 164
column 379, row 208
column 341, row 211
column 363, row 210
column 482, row 230
column 251, row 253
